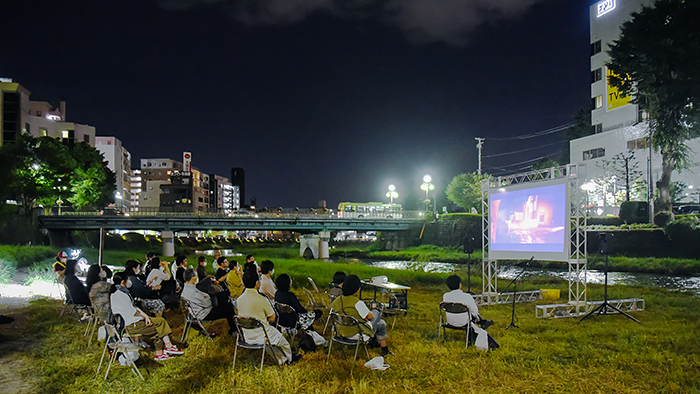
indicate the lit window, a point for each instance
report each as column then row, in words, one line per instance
column 593, row 153
column 597, row 102
column 43, row 133
column 64, row 133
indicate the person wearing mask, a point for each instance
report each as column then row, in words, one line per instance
column 201, row 305
column 234, row 280
column 100, row 290
column 137, row 288
column 136, row 322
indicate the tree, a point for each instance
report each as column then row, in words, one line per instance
column 42, row 170
column 465, row 190
column 630, row 177
column 656, row 61
column 543, row 164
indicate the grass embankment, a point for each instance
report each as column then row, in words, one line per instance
column 605, row 354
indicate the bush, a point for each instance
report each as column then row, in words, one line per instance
column 663, row 218
column 681, row 229
column 634, row 212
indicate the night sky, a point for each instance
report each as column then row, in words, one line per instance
column 315, row 99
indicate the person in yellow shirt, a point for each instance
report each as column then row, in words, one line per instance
column 234, row 279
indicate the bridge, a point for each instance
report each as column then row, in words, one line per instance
column 314, row 226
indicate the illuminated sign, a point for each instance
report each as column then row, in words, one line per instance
column 605, row 6
column 615, row 97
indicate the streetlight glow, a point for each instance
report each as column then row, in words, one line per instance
column 427, row 179
column 427, row 186
column 392, row 194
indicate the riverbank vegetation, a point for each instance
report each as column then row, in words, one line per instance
column 603, row 354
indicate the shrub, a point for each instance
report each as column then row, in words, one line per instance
column 633, row 211
column 663, row 218
column 681, row 229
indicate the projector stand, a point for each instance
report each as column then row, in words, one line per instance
column 514, row 282
column 469, row 274
column 605, row 308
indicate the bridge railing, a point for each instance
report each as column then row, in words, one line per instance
column 280, row 213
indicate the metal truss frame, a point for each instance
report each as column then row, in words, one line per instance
column 577, row 238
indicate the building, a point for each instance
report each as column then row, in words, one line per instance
column 135, row 190
column 119, row 161
column 19, row 116
column 154, row 174
column 177, row 196
column 226, row 198
column 619, row 126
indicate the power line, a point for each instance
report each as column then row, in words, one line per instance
column 522, row 150
column 536, row 134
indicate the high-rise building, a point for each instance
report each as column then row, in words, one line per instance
column 19, row 115
column 119, row 161
column 135, row 190
column 618, row 125
column 238, row 180
column 225, row 196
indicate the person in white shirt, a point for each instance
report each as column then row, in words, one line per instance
column 138, row 322
column 200, row 303
column 456, row 295
column 267, row 286
column 159, row 273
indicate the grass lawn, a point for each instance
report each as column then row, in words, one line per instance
column 604, row 354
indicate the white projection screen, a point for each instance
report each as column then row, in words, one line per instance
column 530, row 220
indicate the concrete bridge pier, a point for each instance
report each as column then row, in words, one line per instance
column 314, row 246
column 168, row 238
column 395, row 240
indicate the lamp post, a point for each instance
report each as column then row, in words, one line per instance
column 427, row 186
column 392, row 194
column 59, row 202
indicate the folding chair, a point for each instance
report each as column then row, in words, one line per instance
column 92, row 325
column 332, row 295
column 191, row 319
column 452, row 307
column 311, row 303
column 318, row 292
column 392, row 307
column 347, row 321
column 123, row 344
column 284, row 309
column 71, row 306
column 251, row 323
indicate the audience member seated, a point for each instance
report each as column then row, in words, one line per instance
column 267, row 286
column 234, row 279
column 59, row 266
column 215, row 264
column 138, row 322
column 253, row 304
column 75, row 287
column 350, row 304
column 337, row 285
column 99, row 291
column 222, row 269
column 285, row 296
column 201, row 268
column 201, row 305
column 160, row 281
column 456, row 295
column 181, row 262
column 147, row 297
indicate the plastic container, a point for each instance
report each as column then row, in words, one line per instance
column 550, row 294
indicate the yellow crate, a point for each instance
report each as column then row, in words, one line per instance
column 550, row 294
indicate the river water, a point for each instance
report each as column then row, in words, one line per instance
column 682, row 283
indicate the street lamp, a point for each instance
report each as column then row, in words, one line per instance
column 392, row 194
column 427, row 186
column 59, row 202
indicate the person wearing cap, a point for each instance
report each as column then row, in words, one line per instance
column 371, row 321
column 59, row 267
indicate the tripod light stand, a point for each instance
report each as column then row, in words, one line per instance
column 606, row 308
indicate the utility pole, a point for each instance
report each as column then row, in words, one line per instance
column 479, row 143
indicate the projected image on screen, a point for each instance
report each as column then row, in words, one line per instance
column 529, row 220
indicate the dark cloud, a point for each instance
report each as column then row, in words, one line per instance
column 448, row 21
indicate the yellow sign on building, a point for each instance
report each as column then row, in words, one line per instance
column 615, row 98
